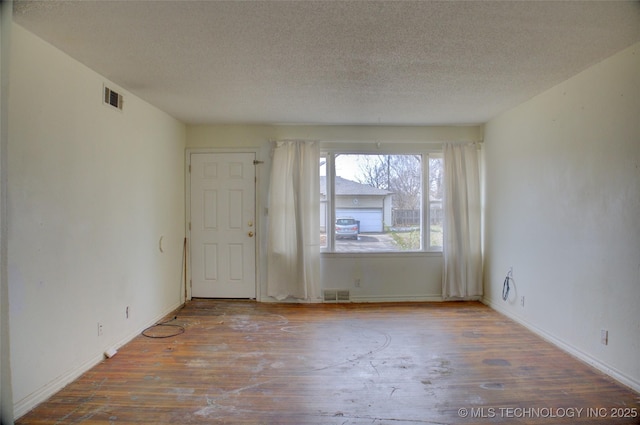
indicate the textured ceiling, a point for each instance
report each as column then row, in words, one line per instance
column 335, row 62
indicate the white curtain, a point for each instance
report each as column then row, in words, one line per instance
column 462, row 277
column 293, row 248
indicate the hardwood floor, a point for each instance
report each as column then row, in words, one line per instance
column 408, row 363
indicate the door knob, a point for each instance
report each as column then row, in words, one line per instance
column 250, row 234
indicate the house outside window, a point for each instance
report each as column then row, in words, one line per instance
column 380, row 196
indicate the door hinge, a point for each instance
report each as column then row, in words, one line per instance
column 189, row 226
column 189, row 168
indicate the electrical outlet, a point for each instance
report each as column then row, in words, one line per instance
column 99, row 329
column 604, row 337
column 126, row 312
column 356, row 282
column 522, row 301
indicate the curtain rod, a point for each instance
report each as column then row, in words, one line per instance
column 380, row 142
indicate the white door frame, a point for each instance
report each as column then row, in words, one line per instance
column 187, row 179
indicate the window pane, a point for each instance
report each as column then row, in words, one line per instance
column 323, row 202
column 378, row 202
column 435, row 202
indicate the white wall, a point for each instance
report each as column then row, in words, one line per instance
column 563, row 208
column 383, row 277
column 91, row 190
column 6, row 398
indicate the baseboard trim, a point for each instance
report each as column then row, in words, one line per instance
column 24, row 406
column 362, row 299
column 570, row 349
column 28, row 403
column 393, row 298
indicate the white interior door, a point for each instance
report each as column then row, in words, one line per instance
column 223, row 225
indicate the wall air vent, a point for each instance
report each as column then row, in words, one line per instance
column 113, row 98
column 336, row 295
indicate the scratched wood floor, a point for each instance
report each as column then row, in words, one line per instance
column 408, row 363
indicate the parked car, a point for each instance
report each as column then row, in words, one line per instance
column 347, row 227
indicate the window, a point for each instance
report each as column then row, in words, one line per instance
column 436, row 213
column 375, row 203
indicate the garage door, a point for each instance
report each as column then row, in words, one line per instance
column 370, row 219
